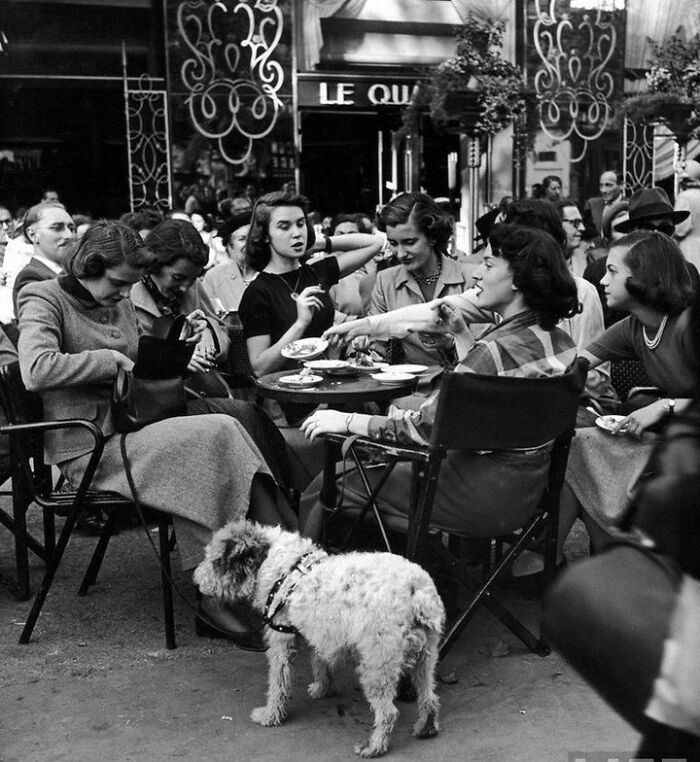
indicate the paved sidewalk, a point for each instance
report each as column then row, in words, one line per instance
column 96, row 683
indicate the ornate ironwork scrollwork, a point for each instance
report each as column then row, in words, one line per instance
column 233, row 82
column 148, row 144
column 574, row 81
column 639, row 156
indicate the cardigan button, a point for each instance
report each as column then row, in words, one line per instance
column 116, row 334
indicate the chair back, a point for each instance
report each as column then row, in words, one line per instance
column 20, row 405
column 238, row 363
column 478, row 412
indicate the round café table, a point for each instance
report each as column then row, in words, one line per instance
column 344, row 392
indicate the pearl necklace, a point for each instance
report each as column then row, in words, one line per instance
column 653, row 343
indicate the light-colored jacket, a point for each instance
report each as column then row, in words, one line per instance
column 58, row 357
column 152, row 323
column 396, row 287
column 226, row 283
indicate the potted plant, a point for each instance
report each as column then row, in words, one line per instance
column 673, row 88
column 476, row 91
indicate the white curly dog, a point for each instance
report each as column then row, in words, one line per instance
column 380, row 606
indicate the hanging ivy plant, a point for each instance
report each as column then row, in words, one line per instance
column 476, row 91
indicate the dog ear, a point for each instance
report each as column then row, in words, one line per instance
column 241, row 559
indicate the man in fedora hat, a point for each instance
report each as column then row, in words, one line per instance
column 688, row 200
column 650, row 209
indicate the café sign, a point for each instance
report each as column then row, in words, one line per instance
column 353, row 92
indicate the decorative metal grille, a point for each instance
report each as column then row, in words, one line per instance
column 232, row 81
column 148, row 144
column 576, row 69
column 638, row 156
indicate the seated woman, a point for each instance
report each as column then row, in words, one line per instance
column 290, row 300
column 170, row 288
column 418, row 233
column 524, row 279
column 646, row 276
column 75, row 333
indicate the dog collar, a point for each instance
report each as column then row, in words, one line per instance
column 300, row 568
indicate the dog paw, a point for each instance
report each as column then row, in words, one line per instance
column 425, row 731
column 368, row 751
column 319, row 690
column 263, row 716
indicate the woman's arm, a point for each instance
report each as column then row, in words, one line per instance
column 352, row 250
column 639, row 421
column 43, row 364
column 266, row 357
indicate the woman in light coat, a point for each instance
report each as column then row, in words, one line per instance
column 75, row 333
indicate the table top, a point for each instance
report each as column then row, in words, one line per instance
column 334, row 389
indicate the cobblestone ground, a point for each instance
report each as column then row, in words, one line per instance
column 96, row 683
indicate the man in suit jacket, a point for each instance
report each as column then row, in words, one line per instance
column 50, row 229
column 610, row 191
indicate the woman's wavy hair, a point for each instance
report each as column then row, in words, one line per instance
column 423, row 211
column 106, row 244
column 171, row 240
column 660, row 274
column 539, row 272
column 258, row 244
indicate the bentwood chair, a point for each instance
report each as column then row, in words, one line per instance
column 32, row 484
column 477, row 413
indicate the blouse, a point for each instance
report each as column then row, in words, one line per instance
column 672, row 365
column 518, row 346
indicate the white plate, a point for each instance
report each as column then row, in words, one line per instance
column 298, row 380
column 408, row 368
column 304, row 349
column 326, row 365
column 606, row 422
column 392, row 378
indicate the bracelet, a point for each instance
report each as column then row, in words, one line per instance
column 328, row 247
column 348, row 421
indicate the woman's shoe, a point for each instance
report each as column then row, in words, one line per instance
column 241, row 626
column 247, row 641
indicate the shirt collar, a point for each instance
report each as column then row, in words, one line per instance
column 48, row 263
column 450, row 274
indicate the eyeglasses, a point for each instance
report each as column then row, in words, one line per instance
column 6, row 222
column 578, row 223
column 665, row 226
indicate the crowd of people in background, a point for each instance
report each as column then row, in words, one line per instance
column 613, row 279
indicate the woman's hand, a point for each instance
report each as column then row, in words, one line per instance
column 122, row 360
column 447, row 319
column 325, row 422
column 636, row 423
column 308, row 302
column 193, row 329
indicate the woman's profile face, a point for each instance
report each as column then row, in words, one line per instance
column 494, row 283
column 113, row 285
column 236, row 244
column 177, row 278
column 410, row 246
column 286, row 232
column 553, row 191
column 615, row 279
column 53, row 234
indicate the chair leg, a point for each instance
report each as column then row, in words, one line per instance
column 486, row 596
column 166, row 580
column 20, row 506
column 98, row 554
column 425, row 480
column 52, row 566
column 49, row 531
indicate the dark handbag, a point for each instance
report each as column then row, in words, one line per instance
column 154, row 390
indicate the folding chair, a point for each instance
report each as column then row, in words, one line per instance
column 32, row 483
column 480, row 413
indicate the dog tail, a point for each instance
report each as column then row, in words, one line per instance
column 428, row 609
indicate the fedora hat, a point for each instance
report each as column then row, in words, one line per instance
column 649, row 204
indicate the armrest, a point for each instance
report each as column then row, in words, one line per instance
column 388, row 449
column 72, row 423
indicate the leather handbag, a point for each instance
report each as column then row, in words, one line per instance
column 154, row 390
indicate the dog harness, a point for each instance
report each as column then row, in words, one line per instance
column 301, row 567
